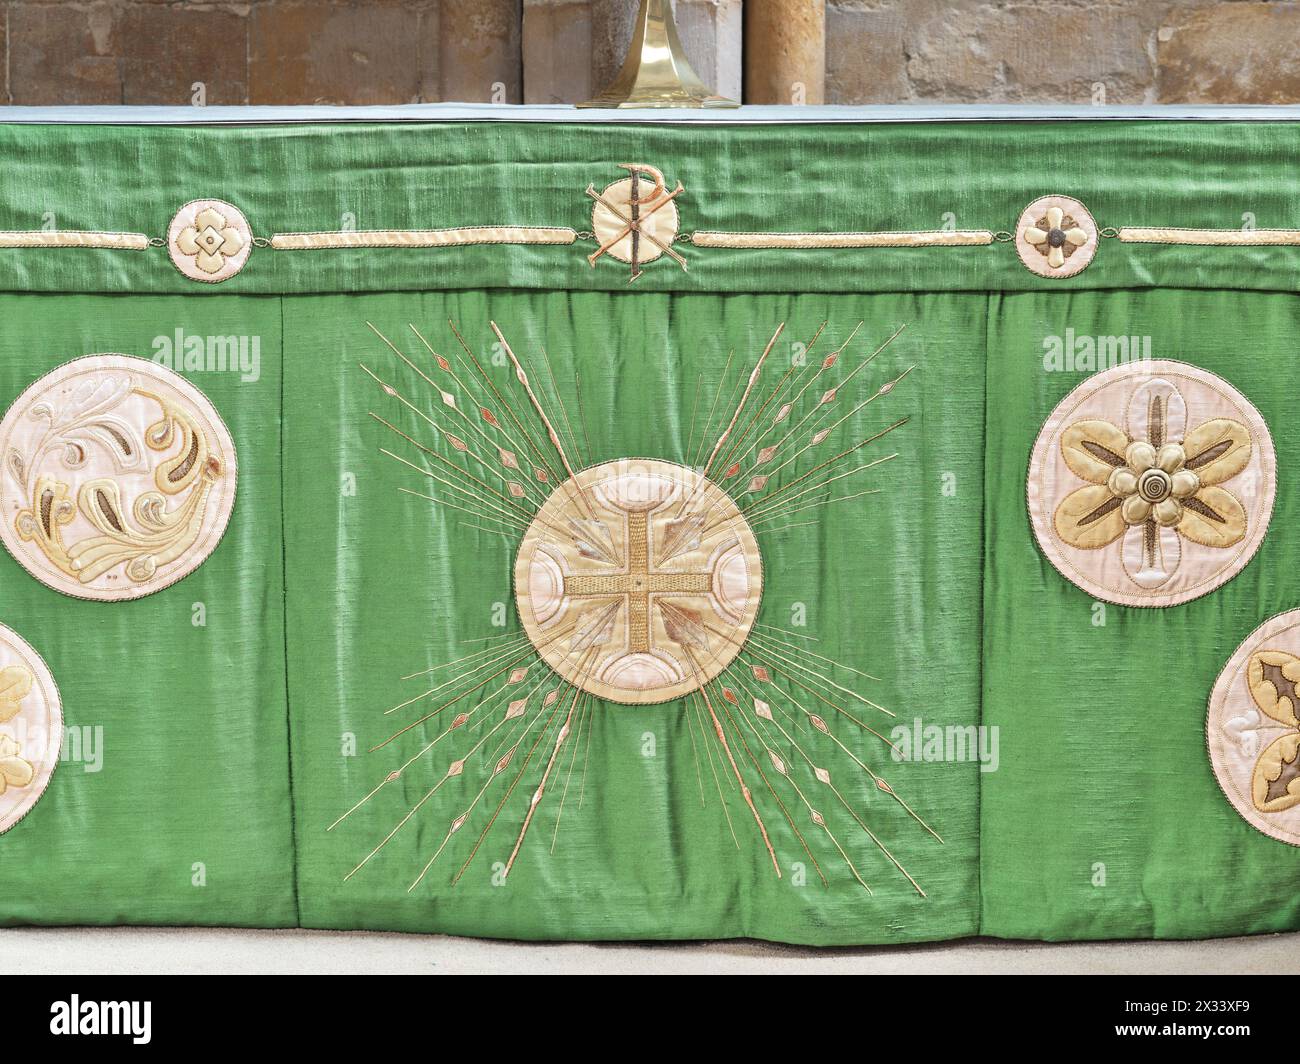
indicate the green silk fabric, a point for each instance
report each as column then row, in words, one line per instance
column 229, row 749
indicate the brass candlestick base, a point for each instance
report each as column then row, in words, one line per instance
column 656, row 72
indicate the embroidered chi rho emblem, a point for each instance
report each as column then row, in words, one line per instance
column 635, row 220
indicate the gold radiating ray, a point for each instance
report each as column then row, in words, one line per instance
column 391, row 391
column 583, row 664
column 776, row 765
column 823, row 777
column 726, row 747
column 512, row 534
column 697, row 703
column 484, row 413
column 449, row 402
column 500, row 765
column 821, row 726
column 584, row 715
column 522, row 377
column 788, row 407
column 518, row 488
column 831, row 395
column 744, row 398
column 509, row 410
column 448, row 484
column 762, row 636
column 822, row 433
column 726, row 462
column 454, row 769
column 757, row 506
column 540, row 792
column 813, row 505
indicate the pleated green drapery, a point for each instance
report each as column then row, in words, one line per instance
column 229, row 748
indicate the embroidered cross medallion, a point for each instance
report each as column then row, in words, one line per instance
column 639, row 580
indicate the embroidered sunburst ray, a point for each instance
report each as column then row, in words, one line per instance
column 768, row 721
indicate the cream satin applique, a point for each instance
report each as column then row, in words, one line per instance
column 120, row 476
column 1253, row 728
column 31, row 728
column 1172, row 504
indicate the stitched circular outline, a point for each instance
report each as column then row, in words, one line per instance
column 1222, row 689
column 54, row 704
column 219, row 422
column 1029, row 216
column 656, row 252
column 1038, row 454
column 518, row 566
column 174, row 253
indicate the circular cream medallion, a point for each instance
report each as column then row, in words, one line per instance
column 118, row 478
column 636, row 218
column 1056, row 237
column 1252, row 729
column 209, row 240
column 638, row 580
column 1152, row 483
column 31, row 728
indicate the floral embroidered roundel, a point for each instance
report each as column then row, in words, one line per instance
column 1152, row 484
column 1253, row 728
column 118, row 478
column 31, row 728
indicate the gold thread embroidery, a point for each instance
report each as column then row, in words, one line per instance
column 424, row 238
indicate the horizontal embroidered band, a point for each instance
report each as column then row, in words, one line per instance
column 1213, row 237
column 39, row 238
column 936, row 238
column 424, row 238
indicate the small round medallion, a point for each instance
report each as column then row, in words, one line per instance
column 1056, row 236
column 209, row 240
column 638, row 581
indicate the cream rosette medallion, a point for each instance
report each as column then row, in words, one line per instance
column 1152, row 484
column 1252, row 729
column 118, row 478
column 638, row 581
column 31, row 728
column 209, row 240
column 1056, row 236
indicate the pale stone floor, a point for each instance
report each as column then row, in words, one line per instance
column 183, row 950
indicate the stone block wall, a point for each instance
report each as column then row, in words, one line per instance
column 563, row 51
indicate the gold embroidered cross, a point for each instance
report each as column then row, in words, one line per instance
column 639, row 582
